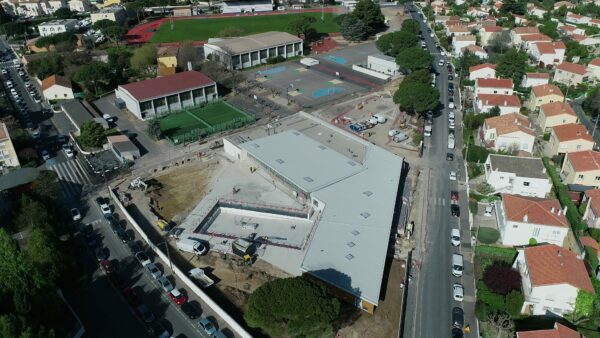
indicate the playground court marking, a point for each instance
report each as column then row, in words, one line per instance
column 197, row 118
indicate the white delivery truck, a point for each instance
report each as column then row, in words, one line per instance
column 191, row 245
column 450, row 142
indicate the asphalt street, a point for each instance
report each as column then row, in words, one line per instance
column 430, row 301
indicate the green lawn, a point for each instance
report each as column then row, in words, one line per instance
column 202, row 29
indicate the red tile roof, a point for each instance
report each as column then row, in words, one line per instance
column 482, row 66
column 557, row 108
column 545, row 90
column 475, row 49
column 586, row 160
column 526, row 30
column 499, row 100
column 572, row 68
column 492, row 29
column 589, row 241
column 494, row 83
column 509, row 123
column 550, row 265
column 538, row 75
column 559, row 331
column 162, row 86
column 536, row 37
column 572, row 131
column 56, row 80
column 567, row 28
column 594, row 195
column 595, row 62
column 534, row 210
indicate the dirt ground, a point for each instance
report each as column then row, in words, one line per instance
column 237, row 282
column 182, row 189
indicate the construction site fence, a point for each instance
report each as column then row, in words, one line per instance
column 201, row 132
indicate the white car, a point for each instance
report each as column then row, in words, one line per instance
column 143, row 258
column 458, row 292
column 154, row 270
column 453, row 176
column 455, row 237
column 451, row 115
column 4, row 71
column 488, row 210
column 431, row 35
column 75, row 214
column 451, row 105
column 68, row 150
column 165, row 284
column 45, row 155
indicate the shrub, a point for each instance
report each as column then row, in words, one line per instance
column 501, row 278
column 485, row 188
column 592, row 257
column 488, row 235
column 276, row 59
column 494, row 300
column 513, row 303
column 477, row 154
column 532, row 241
column 474, row 170
column 595, row 233
column 498, row 254
column 473, row 206
column 572, row 215
column 546, row 136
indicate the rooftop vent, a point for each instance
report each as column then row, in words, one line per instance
column 255, row 145
column 349, row 257
column 351, row 163
column 308, row 179
column 365, row 214
column 280, row 161
column 350, row 244
column 368, row 193
column 296, row 133
column 355, row 232
column 322, row 147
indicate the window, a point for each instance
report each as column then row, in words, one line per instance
column 597, row 178
column 578, row 146
column 580, row 177
column 536, row 232
column 515, row 226
column 526, row 184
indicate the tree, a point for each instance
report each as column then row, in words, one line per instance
column 44, row 254
column 14, row 28
column 154, row 129
column 514, row 303
column 115, row 33
column 500, row 42
column 494, row 111
column 143, row 60
column 135, row 6
column 4, row 18
column 49, row 65
column 591, row 104
column 93, row 74
column 103, row 24
column 421, row 75
column 513, row 7
column 575, row 49
column 392, row 43
column 63, row 13
column 188, row 53
column 501, row 278
column 302, row 25
column 16, row 271
column 411, row 26
column 353, row 29
column 293, row 307
column 45, row 186
column 11, row 122
column 501, row 322
column 512, row 64
column 468, row 60
column 549, row 28
column 411, row 59
column 92, row 135
column 584, row 303
column 370, row 14
column 416, row 97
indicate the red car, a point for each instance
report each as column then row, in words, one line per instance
column 454, row 196
column 131, row 297
column 107, row 266
column 177, row 297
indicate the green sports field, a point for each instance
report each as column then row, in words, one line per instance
column 194, row 123
column 202, row 29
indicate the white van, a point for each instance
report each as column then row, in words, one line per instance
column 457, row 265
column 450, row 142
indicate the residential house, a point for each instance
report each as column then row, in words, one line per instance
column 108, row 3
column 518, row 32
column 510, row 132
column 528, row 40
column 8, row 154
column 116, row 14
column 537, row 12
column 477, row 12
column 508, row 104
column 543, row 94
column 535, row 79
column 558, row 331
column 551, row 276
column 594, row 69
column 494, row 86
column 484, row 71
column 577, row 19
column 570, row 30
column 442, row 19
column 566, row 4
column 57, row 87
column 458, row 30
column 568, row 138
column 591, row 215
column 581, row 167
column 520, row 19
column 555, row 114
column 486, row 34
column 524, row 176
column 522, row 218
column 123, row 148
column 461, row 41
column 476, row 50
column 571, row 74
column 585, row 40
column 57, row 26
column 594, row 23
column 548, row 54
column 80, row 6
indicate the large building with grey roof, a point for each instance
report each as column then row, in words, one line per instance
column 248, row 51
column 515, row 175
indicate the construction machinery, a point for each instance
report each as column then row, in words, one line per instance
column 138, row 183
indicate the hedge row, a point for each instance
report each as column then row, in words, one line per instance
column 564, row 198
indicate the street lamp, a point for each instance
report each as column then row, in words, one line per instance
column 166, row 244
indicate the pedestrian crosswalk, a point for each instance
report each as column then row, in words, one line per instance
column 438, row 201
column 72, row 177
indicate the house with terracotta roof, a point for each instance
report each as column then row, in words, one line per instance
column 477, row 12
column 57, row 87
column 521, row 218
column 590, row 242
column 581, row 167
column 547, row 54
column 566, row 4
column 551, row 276
column 520, row 19
column 535, row 79
column 524, row 176
column 487, row 33
column 577, row 19
column 558, row 331
column 150, row 98
column 507, row 103
column 493, row 86
column 594, row 69
column 568, row 138
column 594, row 23
column 555, row 114
column 543, row 94
column 484, row 71
column 571, row 74
column 511, row 132
column 530, row 39
column 461, row 41
column 458, row 29
column 518, row 32
column 8, row 154
column 569, row 30
column 477, row 50
column 591, row 214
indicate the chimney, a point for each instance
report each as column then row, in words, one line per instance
column 525, row 218
column 544, row 170
column 189, row 65
column 552, row 210
column 558, row 253
column 565, row 210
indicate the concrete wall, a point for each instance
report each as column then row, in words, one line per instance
column 370, row 72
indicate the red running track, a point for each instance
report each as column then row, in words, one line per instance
column 144, row 32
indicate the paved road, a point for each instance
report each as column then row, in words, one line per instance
column 576, row 104
column 429, row 302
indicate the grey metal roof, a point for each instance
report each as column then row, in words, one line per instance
column 521, row 166
column 77, row 112
column 18, row 177
column 254, row 42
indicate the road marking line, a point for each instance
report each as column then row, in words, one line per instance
column 89, row 181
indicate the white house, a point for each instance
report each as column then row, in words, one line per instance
column 518, row 32
column 594, row 69
column 522, row 218
column 383, row 64
column 535, row 79
column 577, row 19
column 548, row 53
column 592, row 209
column 517, row 175
column 510, row 132
column 487, row 33
column 494, row 86
column 507, row 103
column 80, row 6
column 462, row 41
column 483, row 71
column 538, row 12
column 116, row 14
column 57, row 26
column 241, row 6
column 528, row 40
column 477, row 50
column 570, row 30
column 57, row 87
column 551, row 277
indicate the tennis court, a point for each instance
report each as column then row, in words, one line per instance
column 197, row 122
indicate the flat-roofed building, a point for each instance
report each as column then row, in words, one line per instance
column 116, row 14
column 252, row 50
column 8, row 154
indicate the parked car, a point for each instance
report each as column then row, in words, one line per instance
column 107, row 266
column 451, row 103
column 68, row 151
column 154, row 270
column 455, row 210
column 131, row 297
column 454, row 196
column 458, row 292
column 191, row 309
column 452, row 176
column 449, row 156
column 488, row 210
column 45, row 154
column 101, row 254
column 143, row 258
column 146, row 314
column 455, row 237
column 165, row 284
column 75, row 214
column 177, row 297
column 103, row 204
column 207, row 325
column 458, row 317
column 457, row 333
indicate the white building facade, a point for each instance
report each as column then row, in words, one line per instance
column 517, row 175
column 57, row 26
